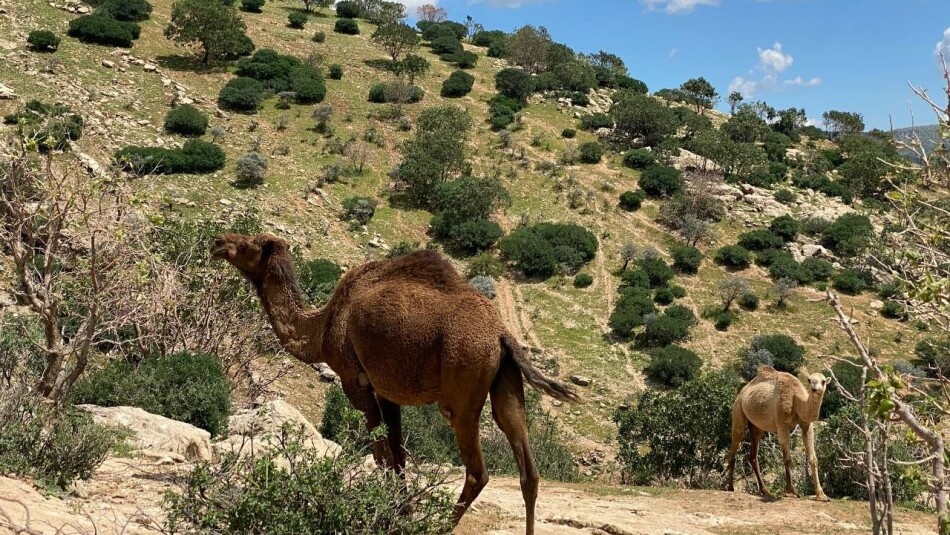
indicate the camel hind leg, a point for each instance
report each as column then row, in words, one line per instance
column 739, row 424
column 756, row 434
column 508, row 410
column 465, row 425
column 392, row 417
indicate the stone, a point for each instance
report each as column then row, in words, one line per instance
column 156, row 433
column 256, row 430
column 813, row 250
column 148, row 67
column 580, row 380
column 326, row 374
column 877, row 305
column 108, row 64
column 6, row 93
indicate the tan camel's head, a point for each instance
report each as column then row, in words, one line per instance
column 817, row 382
column 249, row 254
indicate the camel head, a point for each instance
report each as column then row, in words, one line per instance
column 249, row 254
column 817, row 382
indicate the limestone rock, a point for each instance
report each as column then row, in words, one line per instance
column 6, row 93
column 108, row 64
column 580, row 380
column 156, row 433
column 813, row 250
column 253, row 430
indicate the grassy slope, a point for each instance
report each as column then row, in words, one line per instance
column 567, row 322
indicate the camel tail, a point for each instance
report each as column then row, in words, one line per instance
column 555, row 389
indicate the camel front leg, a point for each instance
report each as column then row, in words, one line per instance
column 784, row 439
column 808, row 437
column 360, row 393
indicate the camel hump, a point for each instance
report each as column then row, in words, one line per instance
column 764, row 373
column 426, row 265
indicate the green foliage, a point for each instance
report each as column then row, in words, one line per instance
column 591, row 152
column 307, row 84
column 679, row 435
column 216, row 28
column 583, row 280
column 502, row 110
column 469, row 199
column 515, row 84
column 251, row 169
column 43, row 41
column 893, row 310
column 359, row 210
column 673, row 365
column 195, row 157
column 125, row 10
column 849, row 235
column 103, row 30
column 186, row 120
column 639, row 158
column 596, row 121
column 642, row 117
column 252, row 6
column 436, row 154
column 241, row 94
column 657, row 271
column 785, row 227
column 55, row 445
column 665, row 329
column 485, row 286
column 786, row 267
column 661, row 181
column 824, row 185
column 319, row 37
column 53, row 126
column 484, row 38
column 335, row 71
column 394, row 92
column 760, row 240
column 347, row 9
column 699, row 92
column 396, row 39
column 630, row 311
column 630, row 201
column 468, row 237
column 849, row 377
column 463, row 59
column 733, row 257
column 818, row 269
column 786, row 354
column 568, row 133
column 446, row 45
column 458, row 84
column 187, row 387
column 686, row 259
column 297, row 19
column 663, row 296
column 318, row 279
column 539, row 250
column 933, row 354
column 722, row 320
column 850, row 282
column 346, row 27
column 485, row 265
column 273, row 70
column 749, row 301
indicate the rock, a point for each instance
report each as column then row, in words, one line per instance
column 746, row 189
column 6, row 93
column 326, row 374
column 812, row 250
column 148, row 67
column 156, row 433
column 108, row 64
column 225, row 202
column 877, row 305
column 580, row 380
column 253, row 430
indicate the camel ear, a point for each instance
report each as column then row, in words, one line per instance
column 268, row 245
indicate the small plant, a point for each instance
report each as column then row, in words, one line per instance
column 893, row 310
column 749, row 301
column 458, row 84
column 686, row 259
column 484, row 285
column 335, row 71
column 673, row 365
column 186, row 120
column 485, row 265
column 661, row 181
column 730, row 290
column 252, row 6
column 346, row 27
column 43, row 41
column 591, row 152
column 760, row 240
column 850, row 282
column 783, row 289
column 319, row 37
column 251, row 169
column 785, row 227
column 639, row 158
column 818, row 269
column 568, row 133
column 297, row 20
column 359, row 210
column 583, row 280
column 785, row 196
column 241, row 94
column 733, row 257
column 631, row 201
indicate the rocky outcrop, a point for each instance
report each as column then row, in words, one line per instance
column 156, row 433
column 253, row 431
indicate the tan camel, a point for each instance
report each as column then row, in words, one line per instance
column 407, row 331
column 776, row 402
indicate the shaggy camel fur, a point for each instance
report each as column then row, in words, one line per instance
column 776, row 402
column 407, row 331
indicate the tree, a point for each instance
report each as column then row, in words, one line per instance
column 310, row 4
column 628, row 253
column 731, row 289
column 735, row 98
column 430, row 13
column 436, row 154
column 842, row 122
column 783, row 289
column 608, row 68
column 642, row 117
column 397, row 39
column 528, row 47
column 700, row 93
column 411, row 67
column 216, row 28
column 515, row 84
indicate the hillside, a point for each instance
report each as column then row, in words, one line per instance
column 928, row 134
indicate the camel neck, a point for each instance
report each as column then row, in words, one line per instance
column 810, row 406
column 298, row 327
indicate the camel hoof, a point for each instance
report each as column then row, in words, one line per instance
column 822, row 498
column 791, row 494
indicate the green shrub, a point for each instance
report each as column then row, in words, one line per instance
column 275, row 71
column 43, row 41
column 770, row 256
column 539, row 250
column 815, row 226
column 251, row 169
column 657, row 270
column 196, row 157
column 893, row 310
column 319, row 37
column 502, row 110
column 786, row 354
column 749, row 301
column 818, row 269
column 485, row 286
column 458, row 84
column 252, row 6
column 760, row 240
column 849, row 235
column 318, row 279
column 347, row 9
column 630, row 311
column 596, row 121
column 346, row 27
column 485, row 265
column 297, row 19
column 53, row 126
column 933, row 354
column 54, row 445
column 673, row 365
column 103, row 30
column 786, row 267
column 382, row 92
column 359, row 210
column 187, row 387
column 889, row 290
column 335, row 71
column 446, row 46
column 639, row 159
column 471, row 237
column 785, row 196
column 664, row 330
column 530, row 253
column 125, row 10
column 634, row 278
column 568, row 133
column 462, row 59
column 686, row 258
column 722, row 320
column 241, row 94
column 785, row 227
column 679, row 435
column 186, row 120
column 308, row 85
column 849, row 376
column 591, row 152
column 850, row 282
column 661, row 181
column 515, row 84
column 678, row 291
column 733, row 257
column 663, row 296
column 631, row 201
column 583, row 280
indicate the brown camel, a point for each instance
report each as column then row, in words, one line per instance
column 407, row 331
column 776, row 402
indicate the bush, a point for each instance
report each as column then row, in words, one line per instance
column 485, row 265
column 849, row 376
column 686, row 258
column 663, row 296
column 471, row 237
column 785, row 196
column 252, row 6
column 849, row 235
column 673, row 366
column 446, row 46
column 749, row 301
column 186, row 120
column 187, row 387
column 583, row 280
column 359, row 210
column 347, row 9
column 661, row 181
column 346, row 27
column 568, row 133
column 318, row 279
column 760, row 240
column 850, row 282
column 297, row 19
column 196, row 157
column 634, row 278
column 786, row 354
column 125, row 10
column 657, row 271
column 43, row 41
column 785, row 227
column 722, row 320
column 540, row 249
column 818, row 269
column 785, row 267
column 664, row 330
column 893, row 310
column 241, row 94
column 639, row 159
column 933, row 354
column 630, row 311
column 733, row 257
column 336, row 71
column 596, row 121
column 631, row 201
column 308, row 85
column 515, row 84
column 251, row 169
column 532, row 254
column 319, row 37
column 502, row 110
column 815, row 226
column 591, row 152
column 382, row 92
column 679, row 435
column 54, row 445
column 52, row 125
column 458, row 84
column 103, row 30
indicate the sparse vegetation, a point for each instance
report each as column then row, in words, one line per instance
column 186, row 120
column 43, row 41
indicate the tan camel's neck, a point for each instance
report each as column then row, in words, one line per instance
column 298, row 327
column 807, row 408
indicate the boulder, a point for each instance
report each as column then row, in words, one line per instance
column 254, row 430
column 580, row 380
column 6, row 93
column 156, row 433
column 813, row 250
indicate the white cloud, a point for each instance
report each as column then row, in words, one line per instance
column 944, row 44
column 677, row 6
column 412, row 5
column 672, row 53
column 767, row 74
column 774, row 60
column 799, row 81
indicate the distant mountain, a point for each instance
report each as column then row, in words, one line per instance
column 930, row 134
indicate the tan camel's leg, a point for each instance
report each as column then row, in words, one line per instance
column 392, row 417
column 784, row 440
column 756, row 434
column 507, row 407
column 465, row 425
column 364, row 400
column 808, row 437
column 739, row 425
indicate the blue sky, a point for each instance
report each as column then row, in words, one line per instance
column 851, row 55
